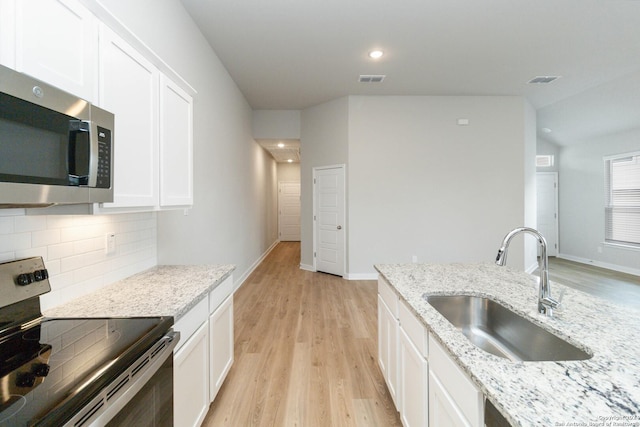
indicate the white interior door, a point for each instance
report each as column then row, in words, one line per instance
column 329, row 219
column 289, row 211
column 547, row 201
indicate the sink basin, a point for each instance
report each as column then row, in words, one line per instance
column 499, row 331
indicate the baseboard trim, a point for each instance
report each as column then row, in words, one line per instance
column 361, row 276
column 608, row 266
column 531, row 268
column 307, row 267
column 253, row 266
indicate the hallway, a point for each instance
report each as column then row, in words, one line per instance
column 305, row 351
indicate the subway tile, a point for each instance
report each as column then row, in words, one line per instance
column 30, row 223
column 45, row 237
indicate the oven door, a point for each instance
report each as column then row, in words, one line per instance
column 141, row 396
column 153, row 404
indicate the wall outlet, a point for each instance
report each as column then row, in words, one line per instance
column 414, row 259
column 599, row 249
column 110, row 243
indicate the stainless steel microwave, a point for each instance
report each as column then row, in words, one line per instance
column 55, row 148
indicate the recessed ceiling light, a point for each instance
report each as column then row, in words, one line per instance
column 290, row 161
column 281, row 145
column 375, row 54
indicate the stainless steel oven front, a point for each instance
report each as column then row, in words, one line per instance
column 79, row 371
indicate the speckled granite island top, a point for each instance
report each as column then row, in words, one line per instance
column 605, row 388
column 164, row 290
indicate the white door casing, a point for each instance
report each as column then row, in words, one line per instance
column 547, row 207
column 289, row 211
column 329, row 219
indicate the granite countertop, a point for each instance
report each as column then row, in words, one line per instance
column 164, row 290
column 604, row 388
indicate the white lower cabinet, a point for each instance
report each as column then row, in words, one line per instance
column 220, row 345
column 402, row 356
column 203, row 356
column 413, row 383
column 442, row 409
column 426, row 384
column 453, row 399
column 190, row 380
column 388, row 347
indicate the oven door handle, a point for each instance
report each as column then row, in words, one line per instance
column 113, row 398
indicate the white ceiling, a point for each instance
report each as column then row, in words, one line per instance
column 288, row 54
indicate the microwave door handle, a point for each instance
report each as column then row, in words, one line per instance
column 78, row 161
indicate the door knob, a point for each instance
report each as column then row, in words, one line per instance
column 339, row 227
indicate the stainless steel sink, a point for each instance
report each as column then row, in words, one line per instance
column 498, row 330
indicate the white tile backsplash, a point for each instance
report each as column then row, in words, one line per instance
column 73, row 248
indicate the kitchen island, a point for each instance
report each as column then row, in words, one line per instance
column 602, row 389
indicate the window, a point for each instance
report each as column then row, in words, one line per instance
column 622, row 199
column 544, row 160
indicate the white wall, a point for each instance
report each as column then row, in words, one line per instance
column 530, row 194
column 288, row 172
column 73, row 248
column 276, row 124
column 234, row 215
column 323, row 142
column 234, row 218
column 581, row 199
column 421, row 185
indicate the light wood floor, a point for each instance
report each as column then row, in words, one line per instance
column 305, row 351
column 608, row 284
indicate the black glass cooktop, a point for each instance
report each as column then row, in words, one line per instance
column 56, row 366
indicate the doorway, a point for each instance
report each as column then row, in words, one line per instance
column 289, row 211
column 329, row 219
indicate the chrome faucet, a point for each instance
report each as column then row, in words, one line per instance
column 546, row 303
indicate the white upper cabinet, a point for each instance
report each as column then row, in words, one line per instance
column 176, row 145
column 56, row 42
column 91, row 54
column 129, row 89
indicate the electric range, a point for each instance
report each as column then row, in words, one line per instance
column 75, row 371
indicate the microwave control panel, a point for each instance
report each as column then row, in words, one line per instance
column 104, row 158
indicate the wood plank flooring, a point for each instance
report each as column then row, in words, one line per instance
column 305, row 351
column 618, row 287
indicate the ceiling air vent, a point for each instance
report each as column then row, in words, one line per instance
column 543, row 79
column 371, row 78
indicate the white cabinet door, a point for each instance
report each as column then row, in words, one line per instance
column 190, row 380
column 453, row 398
column 220, row 345
column 443, row 412
column 388, row 348
column 129, row 89
column 176, row 145
column 56, row 42
column 413, row 384
column 8, row 33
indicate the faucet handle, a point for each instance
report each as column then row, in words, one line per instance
column 546, row 305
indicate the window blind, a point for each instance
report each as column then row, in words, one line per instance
column 622, row 199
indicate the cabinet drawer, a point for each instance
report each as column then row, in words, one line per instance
column 456, row 383
column 414, row 329
column 388, row 295
column 220, row 293
column 191, row 321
